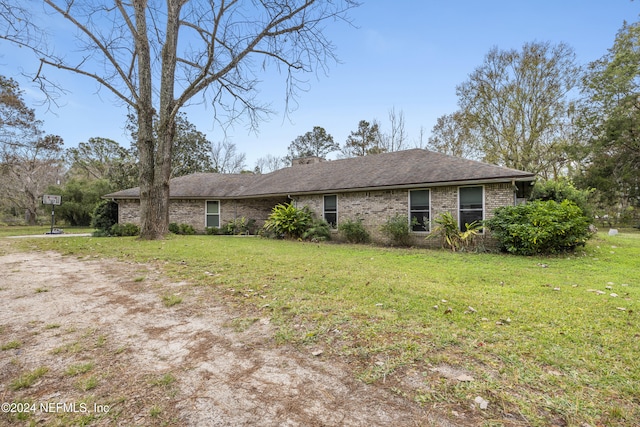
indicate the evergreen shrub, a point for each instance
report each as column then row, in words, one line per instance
column 540, row 227
column 353, row 231
column 318, row 230
column 122, row 230
column 105, row 215
column 183, row 229
column 560, row 190
column 397, row 230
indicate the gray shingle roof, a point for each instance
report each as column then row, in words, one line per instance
column 407, row 168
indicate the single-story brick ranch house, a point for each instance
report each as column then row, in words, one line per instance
column 416, row 183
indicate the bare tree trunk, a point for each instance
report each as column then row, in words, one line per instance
column 29, row 217
column 155, row 155
column 154, row 222
column 32, row 209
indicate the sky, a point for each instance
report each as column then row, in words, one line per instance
column 406, row 55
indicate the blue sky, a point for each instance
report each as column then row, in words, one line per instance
column 404, row 54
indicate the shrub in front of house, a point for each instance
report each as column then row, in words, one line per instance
column 212, row 231
column 562, row 189
column 396, row 229
column 239, row 226
column 540, row 227
column 105, row 215
column 288, row 221
column 187, row 229
column 451, row 236
column 318, row 230
column 353, row 231
column 121, row 230
column 183, row 229
column 293, row 223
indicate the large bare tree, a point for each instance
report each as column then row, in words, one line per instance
column 27, row 169
column 270, row 163
column 225, row 158
column 395, row 139
column 158, row 56
column 451, row 135
column 30, row 161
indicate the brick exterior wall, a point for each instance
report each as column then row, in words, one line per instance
column 193, row 211
column 444, row 199
column 129, row 211
column 258, row 209
column 498, row 195
column 373, row 207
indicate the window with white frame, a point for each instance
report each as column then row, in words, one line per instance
column 419, row 212
column 471, row 204
column 330, row 210
column 213, row 214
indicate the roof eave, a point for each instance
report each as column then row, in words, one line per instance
column 497, row 180
column 519, row 178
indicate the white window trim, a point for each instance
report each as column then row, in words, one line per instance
column 323, row 206
column 206, row 214
column 409, row 210
column 484, row 205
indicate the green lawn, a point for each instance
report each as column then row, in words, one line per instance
column 39, row 229
column 547, row 340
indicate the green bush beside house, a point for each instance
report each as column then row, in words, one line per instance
column 540, row 227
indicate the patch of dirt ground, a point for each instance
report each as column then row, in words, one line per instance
column 112, row 353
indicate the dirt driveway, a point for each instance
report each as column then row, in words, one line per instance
column 90, row 342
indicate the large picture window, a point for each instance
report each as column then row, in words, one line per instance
column 331, row 210
column 471, row 205
column 213, row 214
column 419, row 210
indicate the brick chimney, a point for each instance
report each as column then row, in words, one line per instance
column 309, row 160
